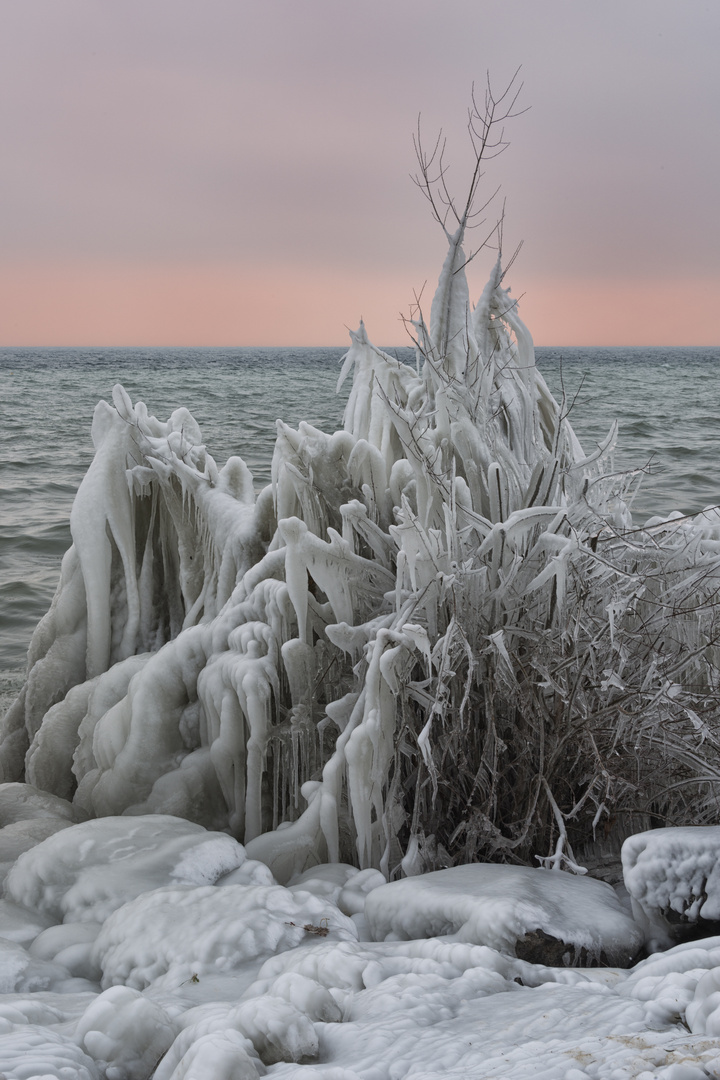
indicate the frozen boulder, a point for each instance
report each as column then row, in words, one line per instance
column 276, row 1031
column 354, row 894
column 703, row 1012
column 126, row 1033
column 40, row 1054
column 86, row 872
column 27, row 817
column 193, row 933
column 673, row 878
column 307, row 995
column 23, row 802
column 325, row 879
column 21, row 836
column 19, row 924
column 222, row 1055
column 545, row 916
column 69, row 944
column 21, row 973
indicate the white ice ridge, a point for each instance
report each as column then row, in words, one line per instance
column 434, row 638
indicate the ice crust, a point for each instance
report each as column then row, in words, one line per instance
column 86, row 872
column 498, row 905
column 190, row 932
column 673, row 873
column 248, row 978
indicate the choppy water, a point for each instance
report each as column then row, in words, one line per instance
column 666, row 400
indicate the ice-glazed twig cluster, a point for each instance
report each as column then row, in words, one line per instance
column 436, row 637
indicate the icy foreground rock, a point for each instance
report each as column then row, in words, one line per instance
column 86, row 872
column 246, row 980
column 673, row 877
column 505, row 907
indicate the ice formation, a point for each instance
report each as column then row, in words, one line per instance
column 83, row 874
column 501, row 906
column 226, row 980
column 673, row 878
column 435, row 637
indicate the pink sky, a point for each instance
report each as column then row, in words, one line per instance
column 237, row 171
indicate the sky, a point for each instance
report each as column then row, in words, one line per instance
column 239, row 172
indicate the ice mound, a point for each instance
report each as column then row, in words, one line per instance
column 276, row 1030
column 222, row 1055
column 40, row 1054
column 510, row 908
column 87, row 871
column 125, row 1033
column 673, row 878
column 23, row 802
column 28, row 816
column 190, row 932
column 69, row 944
column 21, row 973
column 20, row 924
column 703, row 1010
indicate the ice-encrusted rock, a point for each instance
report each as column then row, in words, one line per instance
column 126, row 1033
column 20, row 924
column 703, row 1011
column 40, row 1054
column 546, row 916
column 193, row 932
column 277, row 1029
column 21, row 973
column 673, row 878
column 69, row 944
column 23, row 802
column 222, row 1055
column 85, row 872
column 27, row 817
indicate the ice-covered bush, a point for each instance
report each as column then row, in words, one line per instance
column 436, row 637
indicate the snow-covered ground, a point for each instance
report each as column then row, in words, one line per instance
column 140, row 947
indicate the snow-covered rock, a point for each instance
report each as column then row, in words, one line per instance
column 22, row 973
column 40, row 1054
column 23, row 802
column 20, row 924
column 222, row 1055
column 511, row 908
column 187, row 933
column 673, row 878
column 27, row 817
column 125, row 1033
column 85, row 872
column 69, row 944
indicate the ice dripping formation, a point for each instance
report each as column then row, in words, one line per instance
column 435, row 638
